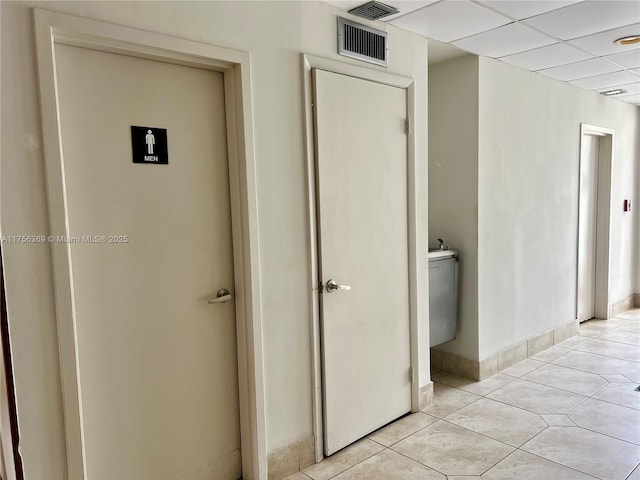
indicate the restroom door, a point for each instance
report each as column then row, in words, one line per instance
column 150, row 245
column 587, row 222
column 361, row 178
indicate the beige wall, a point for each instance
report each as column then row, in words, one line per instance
column 503, row 187
column 275, row 34
column 635, row 207
column 453, row 184
column 528, row 200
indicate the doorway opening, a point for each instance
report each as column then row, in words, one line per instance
column 326, row 78
column 594, row 204
column 10, row 459
column 60, row 40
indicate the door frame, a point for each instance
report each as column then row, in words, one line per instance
column 10, row 458
column 52, row 28
column 310, row 62
column 603, row 216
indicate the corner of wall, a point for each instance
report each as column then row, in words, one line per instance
column 453, row 168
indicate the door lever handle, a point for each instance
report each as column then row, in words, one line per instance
column 333, row 286
column 222, row 296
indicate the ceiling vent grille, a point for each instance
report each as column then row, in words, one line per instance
column 373, row 10
column 364, row 43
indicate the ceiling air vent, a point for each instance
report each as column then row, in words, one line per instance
column 363, row 43
column 373, row 10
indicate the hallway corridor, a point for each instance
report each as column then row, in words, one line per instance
column 570, row 412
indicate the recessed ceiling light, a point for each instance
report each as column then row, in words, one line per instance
column 611, row 93
column 628, row 40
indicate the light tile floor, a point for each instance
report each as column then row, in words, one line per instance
column 570, row 412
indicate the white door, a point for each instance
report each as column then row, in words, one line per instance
column 362, row 205
column 157, row 363
column 588, row 202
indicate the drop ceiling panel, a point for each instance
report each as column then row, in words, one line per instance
column 601, row 44
column 606, row 80
column 628, row 59
column 405, row 6
column 586, row 68
column 520, row 9
column 347, row 4
column 451, row 20
column 546, row 57
column 568, row 40
column 505, row 40
column 635, row 99
column 586, row 18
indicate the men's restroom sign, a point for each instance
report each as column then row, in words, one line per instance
column 149, row 145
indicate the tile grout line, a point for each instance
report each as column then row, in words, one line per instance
column 411, row 434
column 419, row 462
column 634, row 469
column 348, row 468
column 587, row 371
column 609, row 436
column 479, row 433
column 539, row 382
column 361, row 461
column 558, row 463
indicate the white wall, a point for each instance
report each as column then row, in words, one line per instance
column 453, row 184
column 503, row 188
column 275, row 33
column 634, row 207
column 529, row 131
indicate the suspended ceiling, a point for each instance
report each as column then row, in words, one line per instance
column 568, row 40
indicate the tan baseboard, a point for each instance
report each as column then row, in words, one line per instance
column 436, row 360
column 457, row 365
column 426, row 395
column 488, row 367
column 512, row 355
column 291, row 459
column 563, row 332
column 636, row 300
column 623, row 305
column 541, row 342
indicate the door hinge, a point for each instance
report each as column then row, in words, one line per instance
column 407, row 126
column 411, row 379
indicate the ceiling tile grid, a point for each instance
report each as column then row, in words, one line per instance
column 505, row 40
column 568, row 40
column 586, row 18
column 521, row 9
column 629, row 59
column 560, row 53
column 451, row 20
column 577, row 70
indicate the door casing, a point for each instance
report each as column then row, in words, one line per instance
column 603, row 217
column 310, row 62
column 54, row 28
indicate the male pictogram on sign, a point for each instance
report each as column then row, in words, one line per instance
column 150, row 139
column 149, row 145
